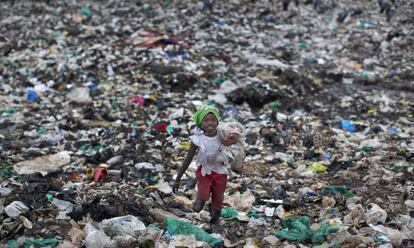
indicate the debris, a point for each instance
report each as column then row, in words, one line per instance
column 96, row 106
column 95, row 237
column 15, row 209
column 229, row 213
column 240, row 202
column 100, row 174
column 375, row 214
column 300, row 230
column 80, row 95
column 123, row 225
column 53, row 242
column 43, row 164
column 271, row 240
column 336, row 190
column 178, row 227
column 393, row 234
column 160, row 214
column 318, row 167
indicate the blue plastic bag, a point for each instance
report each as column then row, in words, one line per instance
column 348, row 125
column 32, row 96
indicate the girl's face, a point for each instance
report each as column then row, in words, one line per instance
column 209, row 124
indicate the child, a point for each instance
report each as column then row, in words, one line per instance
column 211, row 176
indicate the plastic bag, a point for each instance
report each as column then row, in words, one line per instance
column 15, row 208
column 41, row 243
column 232, row 156
column 348, row 125
column 356, row 216
column 299, row 230
column 12, row 244
column 178, row 227
column 43, row 164
column 295, row 230
column 320, row 235
column 185, row 241
column 241, row 202
column 375, row 214
column 65, row 207
column 318, row 167
column 336, row 190
column 229, row 213
column 393, row 234
column 96, row 238
column 124, row 225
column 80, row 95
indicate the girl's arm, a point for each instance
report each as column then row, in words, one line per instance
column 187, row 161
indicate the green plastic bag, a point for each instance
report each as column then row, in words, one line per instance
column 229, row 213
column 299, row 230
column 253, row 214
column 336, row 190
column 12, row 244
column 178, row 227
column 41, row 242
column 320, row 235
column 218, row 81
column 7, row 171
column 295, row 230
column 86, row 11
column 7, row 112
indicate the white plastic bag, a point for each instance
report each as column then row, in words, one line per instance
column 375, row 214
column 232, row 156
column 122, row 226
column 393, row 234
column 96, row 238
column 15, row 208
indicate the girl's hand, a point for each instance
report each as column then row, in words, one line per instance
column 175, row 186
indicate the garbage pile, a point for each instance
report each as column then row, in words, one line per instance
column 95, row 119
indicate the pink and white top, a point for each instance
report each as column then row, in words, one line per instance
column 208, row 148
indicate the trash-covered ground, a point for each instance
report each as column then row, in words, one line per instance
column 96, row 106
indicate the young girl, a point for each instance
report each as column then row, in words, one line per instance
column 211, row 176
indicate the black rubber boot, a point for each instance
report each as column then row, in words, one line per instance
column 214, row 216
column 198, row 205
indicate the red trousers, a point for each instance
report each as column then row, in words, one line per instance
column 214, row 183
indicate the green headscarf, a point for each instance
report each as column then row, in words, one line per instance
column 203, row 111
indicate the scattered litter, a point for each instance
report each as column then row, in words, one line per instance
column 95, row 118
